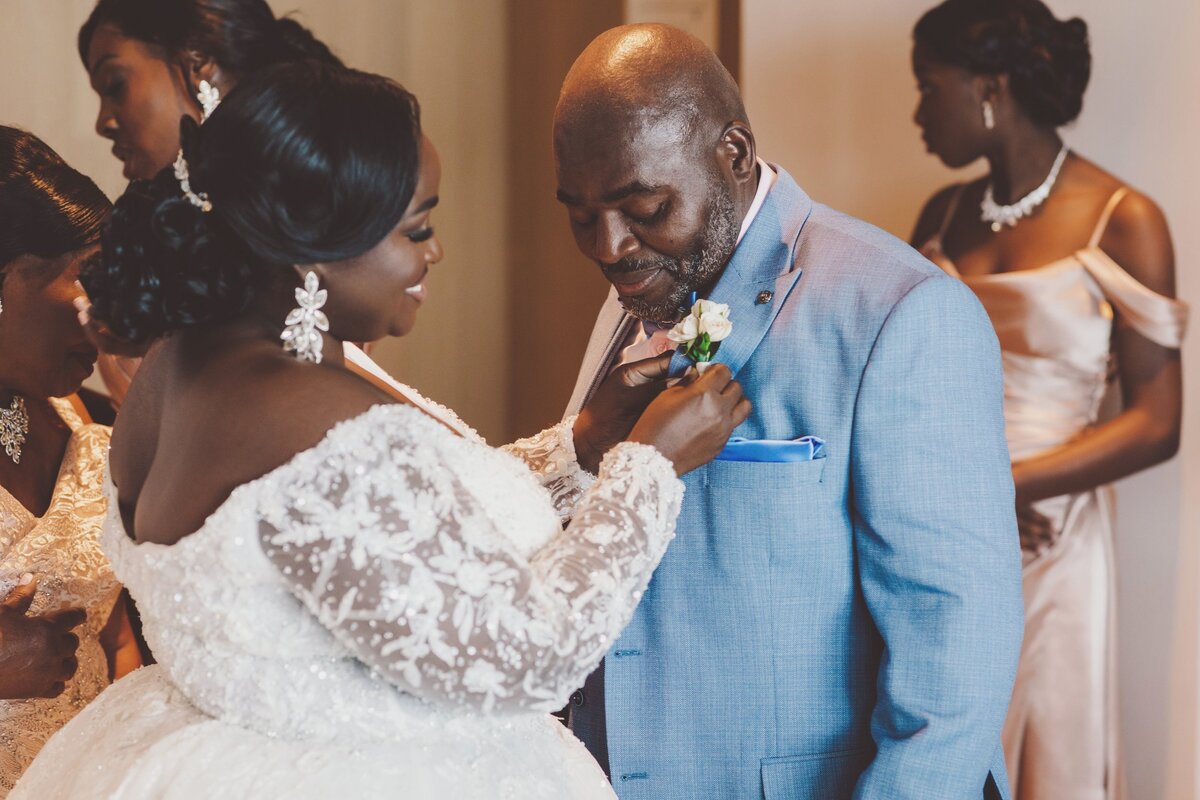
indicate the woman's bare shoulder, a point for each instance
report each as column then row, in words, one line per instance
column 1137, row 235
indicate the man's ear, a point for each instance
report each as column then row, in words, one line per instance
column 737, row 149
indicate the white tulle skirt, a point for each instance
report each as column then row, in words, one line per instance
column 143, row 740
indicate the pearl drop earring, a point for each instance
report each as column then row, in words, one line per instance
column 989, row 116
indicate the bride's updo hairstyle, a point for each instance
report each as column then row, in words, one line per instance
column 302, row 163
column 242, row 36
column 1047, row 60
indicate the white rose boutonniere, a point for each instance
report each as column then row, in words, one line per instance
column 699, row 333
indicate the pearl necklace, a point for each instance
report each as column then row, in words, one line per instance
column 14, row 428
column 999, row 216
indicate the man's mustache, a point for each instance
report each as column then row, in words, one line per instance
column 628, row 266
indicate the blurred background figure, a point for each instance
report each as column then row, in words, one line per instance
column 1076, row 270
column 51, row 567
column 154, row 62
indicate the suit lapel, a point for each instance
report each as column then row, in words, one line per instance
column 764, row 261
column 761, row 274
column 610, row 332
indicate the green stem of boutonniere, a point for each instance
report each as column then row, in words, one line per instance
column 701, row 349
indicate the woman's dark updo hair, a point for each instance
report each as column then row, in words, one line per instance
column 47, row 209
column 242, row 36
column 1047, row 60
column 303, row 163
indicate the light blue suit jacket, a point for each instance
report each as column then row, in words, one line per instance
column 838, row 628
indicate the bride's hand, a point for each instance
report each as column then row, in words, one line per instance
column 691, row 422
column 611, row 413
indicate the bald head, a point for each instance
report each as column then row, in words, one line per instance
column 648, row 74
column 656, row 164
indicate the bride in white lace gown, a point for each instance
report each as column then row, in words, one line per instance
column 346, row 596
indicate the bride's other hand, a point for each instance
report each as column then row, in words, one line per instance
column 615, row 407
column 37, row 653
column 691, row 422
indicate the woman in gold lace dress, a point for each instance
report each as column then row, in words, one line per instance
column 1076, row 270
column 63, row 636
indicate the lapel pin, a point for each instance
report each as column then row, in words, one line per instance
column 764, row 297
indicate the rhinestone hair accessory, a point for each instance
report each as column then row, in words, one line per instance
column 200, row 200
column 302, row 328
column 14, row 428
column 209, row 98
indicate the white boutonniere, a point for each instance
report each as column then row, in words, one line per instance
column 699, row 333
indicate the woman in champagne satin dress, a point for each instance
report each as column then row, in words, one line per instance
column 1076, row 271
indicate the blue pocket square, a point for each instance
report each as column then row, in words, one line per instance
column 806, row 448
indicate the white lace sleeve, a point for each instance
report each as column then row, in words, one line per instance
column 550, row 455
column 394, row 554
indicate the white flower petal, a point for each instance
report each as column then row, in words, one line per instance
column 685, row 331
column 717, row 328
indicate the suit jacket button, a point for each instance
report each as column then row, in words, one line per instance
column 577, row 698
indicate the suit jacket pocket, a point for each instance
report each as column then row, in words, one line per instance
column 765, row 475
column 824, row 776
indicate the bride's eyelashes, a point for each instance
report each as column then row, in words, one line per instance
column 423, row 235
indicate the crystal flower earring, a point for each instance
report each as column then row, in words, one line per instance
column 209, row 98
column 302, row 328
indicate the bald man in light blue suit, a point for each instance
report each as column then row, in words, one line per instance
column 838, row 620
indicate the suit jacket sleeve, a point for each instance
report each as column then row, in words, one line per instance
column 936, row 538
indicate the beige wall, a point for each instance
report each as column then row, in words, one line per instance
column 831, row 98
column 554, row 292
column 44, row 88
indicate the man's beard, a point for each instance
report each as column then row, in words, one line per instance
column 696, row 270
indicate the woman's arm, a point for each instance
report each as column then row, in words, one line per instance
column 374, row 532
column 1146, row 432
column 566, row 457
column 118, row 641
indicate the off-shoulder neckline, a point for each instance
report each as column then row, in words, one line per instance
column 1070, row 260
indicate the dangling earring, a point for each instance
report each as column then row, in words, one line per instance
column 989, row 116
column 302, row 328
column 209, row 99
